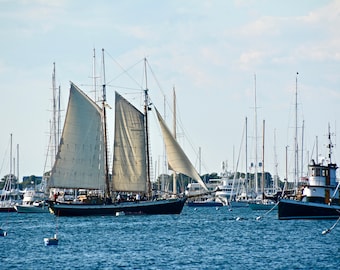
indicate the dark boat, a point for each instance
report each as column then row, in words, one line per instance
column 156, row 207
column 319, row 197
column 205, row 204
column 82, row 161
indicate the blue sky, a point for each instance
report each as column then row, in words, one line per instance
column 209, row 50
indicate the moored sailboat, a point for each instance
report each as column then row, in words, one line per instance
column 82, row 160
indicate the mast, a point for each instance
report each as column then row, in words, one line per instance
column 18, row 162
column 146, row 109
column 107, row 181
column 330, row 145
column 247, row 157
column 262, row 184
column 174, row 191
column 58, row 122
column 302, row 140
column 296, row 140
column 94, row 75
column 10, row 165
column 256, row 161
column 54, row 117
column 275, row 184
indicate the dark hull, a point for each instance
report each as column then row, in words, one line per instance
column 158, row 207
column 291, row 209
column 7, row 209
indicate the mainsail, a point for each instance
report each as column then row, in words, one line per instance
column 129, row 160
column 177, row 159
column 80, row 159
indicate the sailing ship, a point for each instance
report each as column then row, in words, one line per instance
column 82, row 161
column 319, row 198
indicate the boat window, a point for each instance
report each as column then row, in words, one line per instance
column 313, row 171
column 317, row 172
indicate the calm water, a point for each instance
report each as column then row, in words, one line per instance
column 205, row 238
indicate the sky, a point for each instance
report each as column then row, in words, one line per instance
column 216, row 54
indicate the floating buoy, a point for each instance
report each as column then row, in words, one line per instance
column 217, row 208
column 121, row 213
column 51, row 241
column 3, row 233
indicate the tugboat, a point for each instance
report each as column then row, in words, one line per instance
column 320, row 197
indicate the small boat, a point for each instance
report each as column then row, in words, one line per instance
column 35, row 207
column 53, row 241
column 320, row 197
column 205, row 204
column 33, row 202
column 198, row 197
column 82, row 161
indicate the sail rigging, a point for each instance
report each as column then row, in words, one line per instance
column 80, row 158
column 177, row 159
column 129, row 162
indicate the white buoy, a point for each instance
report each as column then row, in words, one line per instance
column 326, row 231
column 51, row 241
column 3, row 233
column 121, row 213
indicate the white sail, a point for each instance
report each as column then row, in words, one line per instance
column 177, row 159
column 129, row 160
column 80, row 158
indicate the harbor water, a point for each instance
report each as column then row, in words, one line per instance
column 202, row 238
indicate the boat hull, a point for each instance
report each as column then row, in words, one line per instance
column 291, row 209
column 7, row 209
column 31, row 209
column 158, row 207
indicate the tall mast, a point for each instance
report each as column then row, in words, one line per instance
column 330, row 144
column 58, row 122
column 108, row 191
column 262, row 184
column 247, row 186
column 174, row 191
column 94, row 75
column 146, row 109
column 10, row 165
column 54, row 117
column 275, row 184
column 256, row 161
column 302, row 140
column 18, row 162
column 296, row 140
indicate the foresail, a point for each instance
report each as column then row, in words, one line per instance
column 80, row 159
column 129, row 159
column 177, row 159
